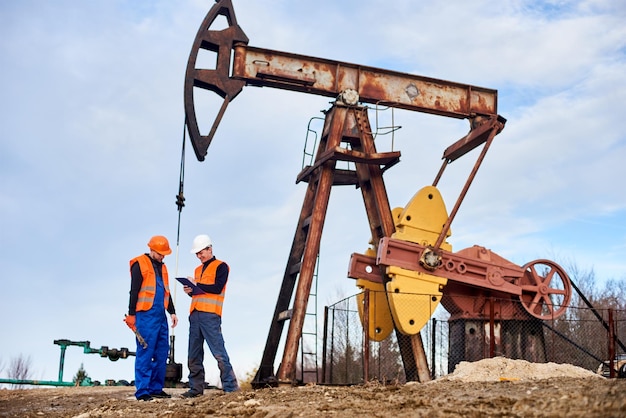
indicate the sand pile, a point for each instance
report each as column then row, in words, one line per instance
column 503, row 369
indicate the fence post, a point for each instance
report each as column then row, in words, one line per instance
column 324, row 342
column 332, row 347
column 366, row 336
column 492, row 337
column 611, row 344
column 433, row 372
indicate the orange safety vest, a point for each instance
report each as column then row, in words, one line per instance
column 208, row 302
column 148, row 285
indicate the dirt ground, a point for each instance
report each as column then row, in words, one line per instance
column 502, row 388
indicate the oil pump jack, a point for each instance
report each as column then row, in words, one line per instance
column 409, row 262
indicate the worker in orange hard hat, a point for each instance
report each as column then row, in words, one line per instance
column 160, row 244
column 150, row 298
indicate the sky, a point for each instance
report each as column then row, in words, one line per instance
column 91, row 116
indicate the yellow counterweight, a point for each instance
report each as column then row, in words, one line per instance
column 413, row 296
column 409, row 298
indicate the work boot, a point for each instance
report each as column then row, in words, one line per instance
column 161, row 395
column 190, row 394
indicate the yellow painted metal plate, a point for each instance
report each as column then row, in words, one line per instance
column 413, row 296
column 423, row 218
column 379, row 318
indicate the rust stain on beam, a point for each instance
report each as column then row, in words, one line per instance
column 264, row 67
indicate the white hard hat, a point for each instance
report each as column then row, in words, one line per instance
column 200, row 243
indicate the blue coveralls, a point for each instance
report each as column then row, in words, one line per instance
column 150, row 362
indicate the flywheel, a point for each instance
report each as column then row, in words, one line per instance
column 546, row 289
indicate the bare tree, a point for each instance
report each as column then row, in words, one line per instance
column 614, row 294
column 582, row 337
column 20, row 369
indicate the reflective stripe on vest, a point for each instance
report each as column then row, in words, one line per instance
column 208, row 302
column 148, row 285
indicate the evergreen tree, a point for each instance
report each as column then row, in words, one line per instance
column 81, row 375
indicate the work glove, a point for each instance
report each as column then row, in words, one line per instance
column 130, row 321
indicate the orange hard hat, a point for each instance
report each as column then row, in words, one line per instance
column 159, row 244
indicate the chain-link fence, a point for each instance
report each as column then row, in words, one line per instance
column 583, row 337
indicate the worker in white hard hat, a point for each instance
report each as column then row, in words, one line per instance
column 150, row 299
column 205, row 319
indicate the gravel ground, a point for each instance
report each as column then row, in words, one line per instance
column 490, row 388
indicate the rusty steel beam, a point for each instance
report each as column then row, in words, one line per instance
column 364, row 267
column 482, row 130
column 488, row 273
column 387, row 159
column 264, row 67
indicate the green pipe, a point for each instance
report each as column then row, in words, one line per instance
column 113, row 355
column 61, row 362
column 86, row 382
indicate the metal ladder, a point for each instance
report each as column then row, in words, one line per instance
column 308, row 340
